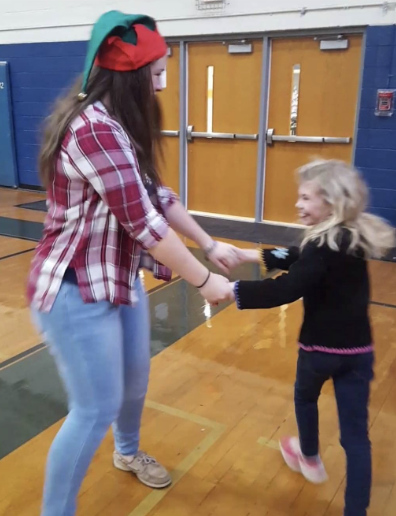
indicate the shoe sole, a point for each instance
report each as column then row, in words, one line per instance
column 285, row 455
column 313, row 480
column 119, row 465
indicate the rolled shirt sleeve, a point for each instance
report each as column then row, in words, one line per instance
column 166, row 197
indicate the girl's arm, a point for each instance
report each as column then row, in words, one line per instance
column 275, row 258
column 224, row 256
column 287, row 288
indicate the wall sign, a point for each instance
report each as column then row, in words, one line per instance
column 385, row 103
column 210, row 5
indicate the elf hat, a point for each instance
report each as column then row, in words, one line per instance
column 122, row 42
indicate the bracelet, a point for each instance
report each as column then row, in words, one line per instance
column 210, row 249
column 205, row 282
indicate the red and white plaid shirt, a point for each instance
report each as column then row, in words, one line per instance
column 101, row 220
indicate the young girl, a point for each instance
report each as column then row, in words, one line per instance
column 330, row 273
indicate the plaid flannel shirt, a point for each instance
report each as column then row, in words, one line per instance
column 101, row 220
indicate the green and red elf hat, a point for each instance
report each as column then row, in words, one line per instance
column 122, row 42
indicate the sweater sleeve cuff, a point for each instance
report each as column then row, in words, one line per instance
column 263, row 264
column 248, row 295
column 236, row 292
column 269, row 260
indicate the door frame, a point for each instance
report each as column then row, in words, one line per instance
column 267, row 38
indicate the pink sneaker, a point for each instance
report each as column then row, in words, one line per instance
column 311, row 468
column 290, row 449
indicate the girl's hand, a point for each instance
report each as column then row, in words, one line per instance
column 224, row 256
column 249, row 255
column 216, row 289
column 231, row 293
column 227, row 257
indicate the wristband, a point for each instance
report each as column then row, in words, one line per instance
column 205, row 282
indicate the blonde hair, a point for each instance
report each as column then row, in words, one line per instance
column 343, row 189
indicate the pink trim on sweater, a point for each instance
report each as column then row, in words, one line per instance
column 337, row 351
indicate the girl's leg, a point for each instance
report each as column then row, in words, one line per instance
column 86, row 341
column 302, row 455
column 307, row 390
column 126, row 429
column 352, row 391
column 136, row 355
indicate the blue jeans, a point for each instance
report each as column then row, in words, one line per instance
column 351, row 376
column 102, row 352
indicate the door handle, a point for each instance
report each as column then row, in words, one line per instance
column 191, row 134
column 272, row 137
column 213, row 136
column 246, row 136
column 170, row 133
column 190, row 129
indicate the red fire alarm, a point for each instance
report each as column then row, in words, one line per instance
column 385, row 102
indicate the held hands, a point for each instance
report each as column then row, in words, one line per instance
column 218, row 289
column 227, row 257
column 224, row 256
column 231, row 293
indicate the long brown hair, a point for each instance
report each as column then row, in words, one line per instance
column 130, row 100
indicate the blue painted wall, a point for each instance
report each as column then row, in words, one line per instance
column 376, row 142
column 39, row 72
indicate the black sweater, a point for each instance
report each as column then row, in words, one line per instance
column 335, row 289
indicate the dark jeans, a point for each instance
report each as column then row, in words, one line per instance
column 351, row 375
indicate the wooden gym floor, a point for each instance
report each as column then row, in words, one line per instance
column 220, row 396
